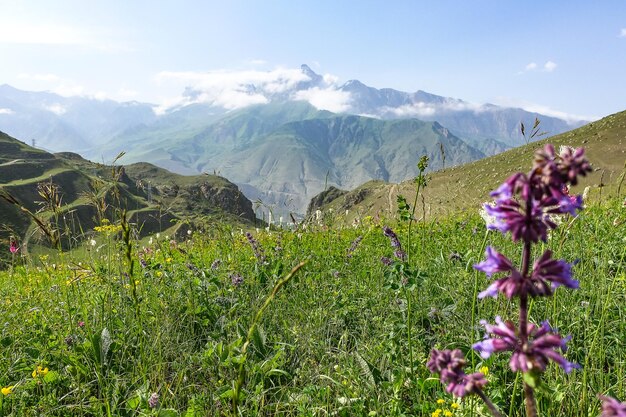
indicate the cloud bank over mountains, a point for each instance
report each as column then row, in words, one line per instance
column 232, row 90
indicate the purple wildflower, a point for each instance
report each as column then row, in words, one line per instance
column 216, row 264
column 153, row 401
column 400, row 254
column 258, row 251
column 13, row 248
column 353, row 246
column 386, row 261
column 236, row 279
column 556, row 272
column 449, row 364
column 612, row 408
column 395, row 243
column 547, row 275
column 534, row 354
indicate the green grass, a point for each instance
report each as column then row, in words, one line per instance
column 334, row 340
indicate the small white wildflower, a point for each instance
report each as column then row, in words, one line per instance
column 489, row 219
column 158, row 235
column 189, row 232
column 318, row 215
column 92, row 242
column 150, row 241
column 586, row 193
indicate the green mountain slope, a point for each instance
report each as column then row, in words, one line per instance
column 468, row 186
column 283, row 154
column 88, row 192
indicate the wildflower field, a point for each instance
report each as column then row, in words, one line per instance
column 322, row 320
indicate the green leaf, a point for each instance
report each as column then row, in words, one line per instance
column 532, row 378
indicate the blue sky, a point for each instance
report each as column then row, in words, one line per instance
column 559, row 57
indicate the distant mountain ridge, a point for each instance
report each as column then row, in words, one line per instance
column 285, row 148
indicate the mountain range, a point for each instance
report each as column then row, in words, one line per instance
column 283, row 144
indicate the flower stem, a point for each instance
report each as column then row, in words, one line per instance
column 491, row 406
column 529, row 395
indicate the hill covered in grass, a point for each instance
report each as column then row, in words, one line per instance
column 72, row 195
column 466, row 187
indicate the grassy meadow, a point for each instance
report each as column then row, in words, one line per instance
column 188, row 327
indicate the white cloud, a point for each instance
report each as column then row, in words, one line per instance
column 56, row 108
column 6, row 111
column 545, row 110
column 422, row 109
column 549, row 66
column 336, row 101
column 531, row 66
column 622, row 33
column 236, row 89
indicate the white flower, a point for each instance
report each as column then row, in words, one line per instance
column 158, row 235
column 189, row 232
column 92, row 242
column 586, row 193
column 489, row 219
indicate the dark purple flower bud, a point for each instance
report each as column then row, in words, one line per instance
column 216, row 264
column 389, row 233
column 386, row 260
column 612, row 408
column 445, row 359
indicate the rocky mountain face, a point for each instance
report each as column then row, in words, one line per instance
column 287, row 147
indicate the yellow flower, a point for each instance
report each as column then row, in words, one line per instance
column 7, row 390
column 436, row 413
column 159, row 274
column 441, row 401
column 484, row 370
column 447, row 413
column 454, row 406
column 39, row 371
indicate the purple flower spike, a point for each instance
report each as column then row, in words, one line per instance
column 612, row 408
column 449, row 364
column 534, row 355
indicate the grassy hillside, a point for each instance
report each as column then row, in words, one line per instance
column 466, row 187
column 71, row 195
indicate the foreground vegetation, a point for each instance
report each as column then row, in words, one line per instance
column 170, row 327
